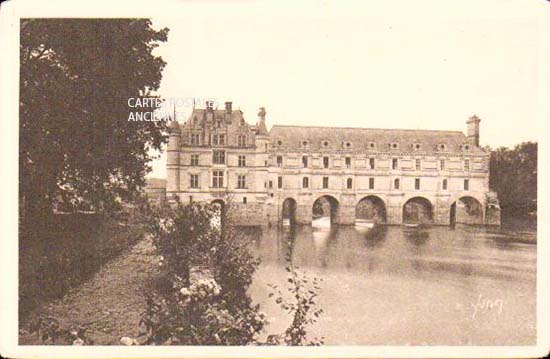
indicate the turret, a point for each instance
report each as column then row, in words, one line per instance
column 473, row 130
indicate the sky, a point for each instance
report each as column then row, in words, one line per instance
column 377, row 64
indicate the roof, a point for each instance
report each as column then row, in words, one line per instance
column 360, row 139
column 155, row 183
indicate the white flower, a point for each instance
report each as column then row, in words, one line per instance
column 127, row 341
column 78, row 341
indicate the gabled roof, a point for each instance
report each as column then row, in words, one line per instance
column 359, row 139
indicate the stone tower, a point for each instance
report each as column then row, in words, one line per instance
column 473, row 130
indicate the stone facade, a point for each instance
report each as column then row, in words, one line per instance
column 440, row 177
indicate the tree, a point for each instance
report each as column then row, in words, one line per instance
column 513, row 175
column 76, row 142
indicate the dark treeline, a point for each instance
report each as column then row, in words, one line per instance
column 514, row 177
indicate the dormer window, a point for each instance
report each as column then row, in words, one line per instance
column 325, row 143
column 371, row 145
column 304, row 143
column 416, row 146
column 442, row 147
column 346, row 144
column 279, row 143
column 393, row 145
column 466, row 147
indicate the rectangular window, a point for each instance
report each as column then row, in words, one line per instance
column 241, row 139
column 349, row 183
column 371, row 163
column 194, row 160
column 279, row 161
column 217, row 179
column 222, row 140
column 371, row 183
column 218, row 157
column 215, row 140
column 270, row 184
column 442, row 164
column 325, row 162
column 241, row 182
column 194, row 181
column 394, row 163
column 279, row 182
column 325, row 182
column 304, row 161
column 466, row 165
column 194, row 139
column 244, row 200
column 242, row 161
column 396, row 183
column 190, row 199
column 466, row 185
column 305, row 182
column 444, row 184
column 417, row 183
column 348, row 162
column 418, row 165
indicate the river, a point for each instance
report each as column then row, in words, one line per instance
column 397, row 285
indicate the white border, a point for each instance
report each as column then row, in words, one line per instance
column 11, row 12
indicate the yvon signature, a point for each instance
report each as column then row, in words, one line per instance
column 484, row 305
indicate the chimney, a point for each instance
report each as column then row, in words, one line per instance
column 473, row 130
column 228, row 107
column 262, row 129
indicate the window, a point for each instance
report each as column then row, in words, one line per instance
column 466, row 147
column 241, row 181
column 442, row 147
column 217, row 179
column 417, row 146
column 194, row 181
column 325, row 182
column 371, row 183
column 393, row 146
column 265, row 147
column 305, row 182
column 304, row 143
column 279, row 143
column 215, row 139
column 190, row 199
column 241, row 140
column 444, row 186
column 279, row 182
column 218, row 157
column 348, row 144
column 371, row 145
column 396, row 183
column 442, row 164
column 242, row 161
column 325, row 143
column 466, row 165
column 270, row 184
column 466, row 185
column 394, row 163
column 222, row 140
column 371, row 163
column 418, row 164
column 348, row 162
column 279, row 161
column 194, row 160
column 417, row 183
column 349, row 183
column 244, row 200
column 325, row 162
column 194, row 139
column 304, row 161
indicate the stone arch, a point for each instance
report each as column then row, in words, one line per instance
column 467, row 210
column 418, row 209
column 288, row 211
column 324, row 206
column 371, row 208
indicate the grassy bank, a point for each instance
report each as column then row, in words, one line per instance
column 64, row 250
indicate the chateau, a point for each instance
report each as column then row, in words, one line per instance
column 299, row 173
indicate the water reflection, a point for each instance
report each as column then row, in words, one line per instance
column 398, row 250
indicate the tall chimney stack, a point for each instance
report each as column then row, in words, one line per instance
column 228, row 107
column 473, row 130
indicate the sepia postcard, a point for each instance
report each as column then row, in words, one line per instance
column 274, row 179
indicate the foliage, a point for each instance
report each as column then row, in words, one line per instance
column 76, row 143
column 214, row 309
column 49, row 330
column 301, row 306
column 513, row 175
